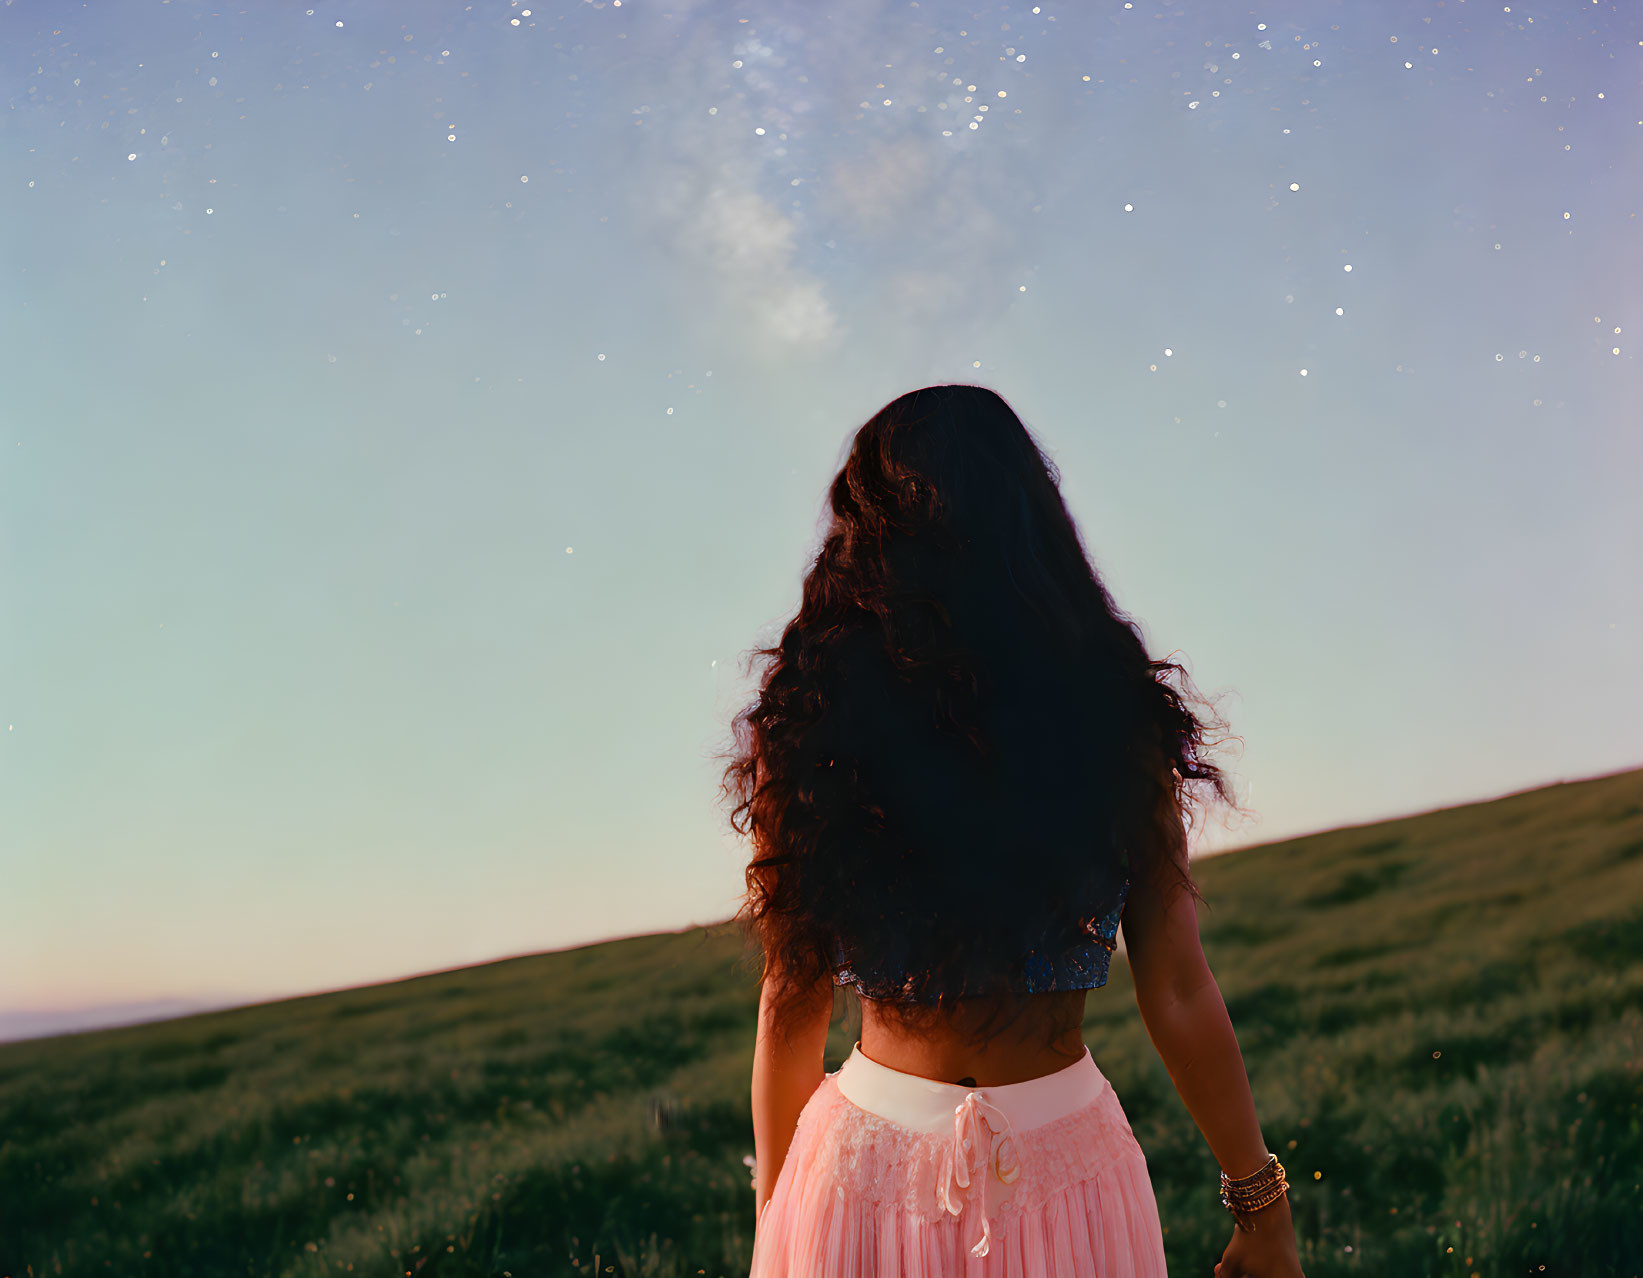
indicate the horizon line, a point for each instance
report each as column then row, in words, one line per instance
column 198, row 1005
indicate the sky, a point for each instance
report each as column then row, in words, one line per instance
column 414, row 415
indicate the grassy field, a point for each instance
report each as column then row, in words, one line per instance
column 1442, row 1018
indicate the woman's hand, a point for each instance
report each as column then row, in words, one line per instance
column 1269, row 1252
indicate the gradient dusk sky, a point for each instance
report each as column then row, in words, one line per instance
column 414, row 414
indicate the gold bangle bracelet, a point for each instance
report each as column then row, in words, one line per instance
column 1260, row 1181
column 1249, row 1195
column 1240, row 1211
column 1255, row 1204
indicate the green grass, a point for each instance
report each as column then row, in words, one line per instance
column 1442, row 1018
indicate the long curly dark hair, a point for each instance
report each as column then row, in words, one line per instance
column 960, row 744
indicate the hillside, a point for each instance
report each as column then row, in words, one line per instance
column 1442, row 1018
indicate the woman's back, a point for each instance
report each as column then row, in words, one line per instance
column 1046, row 1038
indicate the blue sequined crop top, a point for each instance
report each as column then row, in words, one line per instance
column 1080, row 966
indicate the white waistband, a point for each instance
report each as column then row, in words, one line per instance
column 927, row 1105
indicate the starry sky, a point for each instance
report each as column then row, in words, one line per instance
column 414, row 414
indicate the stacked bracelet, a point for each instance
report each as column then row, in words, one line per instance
column 1253, row 1192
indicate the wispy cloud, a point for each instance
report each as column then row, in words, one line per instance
column 743, row 246
column 843, row 204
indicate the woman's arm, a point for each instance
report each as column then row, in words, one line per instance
column 787, row 1069
column 1186, row 1018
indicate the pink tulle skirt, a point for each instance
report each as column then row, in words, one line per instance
column 891, row 1174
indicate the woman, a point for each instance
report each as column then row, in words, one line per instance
column 960, row 772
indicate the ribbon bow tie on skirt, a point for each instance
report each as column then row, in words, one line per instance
column 984, row 1152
